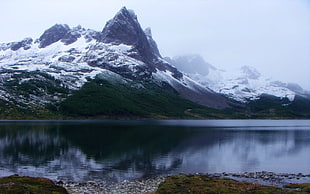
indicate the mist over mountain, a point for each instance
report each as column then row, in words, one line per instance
column 119, row 72
column 193, row 64
column 243, row 85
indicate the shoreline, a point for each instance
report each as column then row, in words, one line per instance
column 149, row 185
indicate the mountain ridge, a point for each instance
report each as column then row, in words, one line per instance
column 48, row 70
column 243, row 85
column 52, row 73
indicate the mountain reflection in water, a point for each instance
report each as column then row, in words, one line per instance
column 81, row 151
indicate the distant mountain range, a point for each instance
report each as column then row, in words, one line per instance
column 119, row 73
column 244, row 86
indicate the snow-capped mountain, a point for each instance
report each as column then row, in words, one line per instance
column 120, row 72
column 47, row 70
column 244, row 85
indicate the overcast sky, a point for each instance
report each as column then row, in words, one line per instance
column 271, row 35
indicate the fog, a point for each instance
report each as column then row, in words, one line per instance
column 271, row 35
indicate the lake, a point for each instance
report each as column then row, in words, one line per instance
column 118, row 150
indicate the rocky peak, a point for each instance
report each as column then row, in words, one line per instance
column 53, row 34
column 124, row 28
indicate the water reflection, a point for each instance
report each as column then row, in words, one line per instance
column 93, row 150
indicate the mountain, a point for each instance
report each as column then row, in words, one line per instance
column 51, row 74
column 246, row 86
column 120, row 73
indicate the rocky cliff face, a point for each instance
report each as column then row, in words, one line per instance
column 124, row 28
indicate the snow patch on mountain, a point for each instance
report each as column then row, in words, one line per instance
column 69, row 63
column 66, row 58
column 243, row 85
column 248, row 84
column 73, row 64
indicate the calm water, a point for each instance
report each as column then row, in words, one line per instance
column 92, row 150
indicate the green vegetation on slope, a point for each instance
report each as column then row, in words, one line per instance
column 302, row 186
column 100, row 98
column 268, row 107
column 204, row 184
column 23, row 184
column 27, row 90
column 24, row 83
column 13, row 112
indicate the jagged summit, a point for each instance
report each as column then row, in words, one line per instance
column 124, row 28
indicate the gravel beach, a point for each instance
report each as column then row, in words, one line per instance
column 136, row 186
column 150, row 185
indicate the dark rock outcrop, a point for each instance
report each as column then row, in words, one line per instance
column 26, row 44
column 53, row 34
column 63, row 33
column 70, row 37
column 124, row 28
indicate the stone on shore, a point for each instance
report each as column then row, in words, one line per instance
column 149, row 185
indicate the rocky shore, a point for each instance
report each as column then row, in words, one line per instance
column 150, row 185
column 136, row 186
column 266, row 178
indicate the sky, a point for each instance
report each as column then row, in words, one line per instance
column 271, row 35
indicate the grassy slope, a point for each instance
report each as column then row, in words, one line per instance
column 272, row 107
column 10, row 111
column 203, row 184
column 23, row 184
column 101, row 99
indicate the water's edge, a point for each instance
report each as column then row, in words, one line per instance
column 148, row 185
